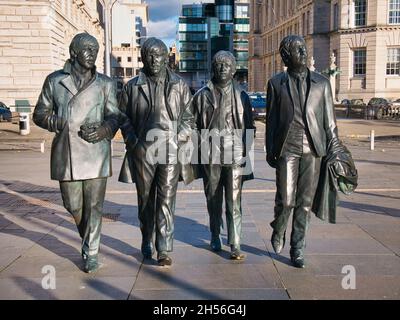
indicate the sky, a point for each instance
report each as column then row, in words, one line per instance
column 163, row 16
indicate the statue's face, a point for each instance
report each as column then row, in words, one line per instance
column 223, row 71
column 87, row 55
column 155, row 61
column 298, row 55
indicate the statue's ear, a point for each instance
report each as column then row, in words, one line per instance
column 285, row 57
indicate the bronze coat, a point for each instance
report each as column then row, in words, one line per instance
column 320, row 116
column 72, row 158
column 135, row 105
column 204, row 103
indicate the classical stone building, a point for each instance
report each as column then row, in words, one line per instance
column 364, row 35
column 34, row 41
column 365, row 38
column 271, row 21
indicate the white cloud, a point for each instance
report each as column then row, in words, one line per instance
column 163, row 28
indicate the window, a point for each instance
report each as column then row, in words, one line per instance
column 360, row 62
column 335, row 16
column 242, row 11
column 129, row 59
column 125, row 45
column 360, row 13
column 117, row 72
column 393, row 61
column 119, row 59
column 129, row 72
column 394, row 12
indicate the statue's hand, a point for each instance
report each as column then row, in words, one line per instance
column 94, row 132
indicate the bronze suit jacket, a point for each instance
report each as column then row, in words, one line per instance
column 72, row 158
column 135, row 105
column 319, row 114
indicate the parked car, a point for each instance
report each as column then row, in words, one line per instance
column 351, row 108
column 258, row 102
column 377, row 108
column 5, row 113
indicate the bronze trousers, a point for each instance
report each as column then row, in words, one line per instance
column 218, row 178
column 156, row 186
column 84, row 199
column 296, row 182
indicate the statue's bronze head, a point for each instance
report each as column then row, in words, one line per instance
column 224, row 67
column 154, row 56
column 293, row 51
column 84, row 49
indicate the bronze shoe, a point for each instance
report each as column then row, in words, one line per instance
column 91, row 264
column 163, row 259
column 297, row 258
column 236, row 254
column 277, row 242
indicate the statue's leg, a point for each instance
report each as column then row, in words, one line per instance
column 72, row 196
column 232, row 180
column 94, row 191
column 213, row 189
column 286, row 182
column 166, row 179
column 306, row 187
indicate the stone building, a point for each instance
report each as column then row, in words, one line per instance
column 34, row 41
column 271, row 21
column 364, row 36
column 129, row 23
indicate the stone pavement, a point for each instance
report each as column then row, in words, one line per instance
column 36, row 232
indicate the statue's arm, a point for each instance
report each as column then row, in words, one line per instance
column 187, row 118
column 112, row 114
column 125, row 121
column 330, row 126
column 271, row 124
column 44, row 114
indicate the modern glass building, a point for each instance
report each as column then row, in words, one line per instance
column 241, row 31
column 206, row 28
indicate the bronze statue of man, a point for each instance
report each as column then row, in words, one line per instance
column 80, row 106
column 300, row 125
column 223, row 112
column 155, row 102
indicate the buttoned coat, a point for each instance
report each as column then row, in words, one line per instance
column 72, row 158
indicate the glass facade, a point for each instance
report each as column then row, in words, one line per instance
column 192, row 39
column 205, row 29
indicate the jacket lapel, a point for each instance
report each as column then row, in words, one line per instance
column 312, row 89
column 172, row 80
column 143, row 87
column 69, row 84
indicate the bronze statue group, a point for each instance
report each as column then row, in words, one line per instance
column 80, row 105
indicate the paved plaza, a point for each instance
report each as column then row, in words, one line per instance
column 38, row 235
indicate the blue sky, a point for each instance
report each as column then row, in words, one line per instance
column 164, row 18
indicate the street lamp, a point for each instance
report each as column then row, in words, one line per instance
column 107, row 11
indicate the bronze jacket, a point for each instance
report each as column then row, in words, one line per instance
column 135, row 106
column 319, row 118
column 204, row 102
column 72, row 158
